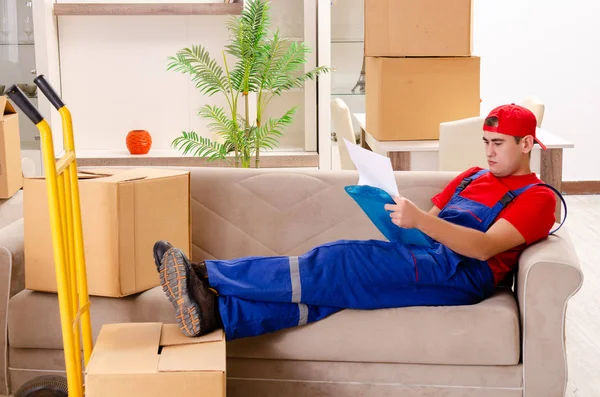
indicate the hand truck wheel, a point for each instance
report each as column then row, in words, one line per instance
column 44, row 386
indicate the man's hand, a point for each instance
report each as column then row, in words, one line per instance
column 404, row 213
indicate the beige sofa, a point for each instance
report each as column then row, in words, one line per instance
column 510, row 345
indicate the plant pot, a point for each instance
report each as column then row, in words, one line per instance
column 138, row 141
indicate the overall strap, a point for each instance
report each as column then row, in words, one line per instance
column 563, row 202
column 512, row 194
column 467, row 180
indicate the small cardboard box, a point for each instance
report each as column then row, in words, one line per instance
column 397, row 28
column 11, row 175
column 155, row 360
column 408, row 98
column 123, row 212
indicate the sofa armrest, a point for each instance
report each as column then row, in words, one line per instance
column 12, row 280
column 12, row 266
column 11, row 209
column 549, row 274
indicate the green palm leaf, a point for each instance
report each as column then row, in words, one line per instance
column 282, row 76
column 207, row 75
column 310, row 75
column 220, row 124
column 249, row 30
column 266, row 135
column 192, row 143
column 274, row 49
column 292, row 60
column 248, row 35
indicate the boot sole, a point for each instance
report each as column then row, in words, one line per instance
column 173, row 277
column 156, row 258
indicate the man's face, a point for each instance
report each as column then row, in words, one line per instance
column 503, row 153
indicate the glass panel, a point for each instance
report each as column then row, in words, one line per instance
column 347, row 46
column 288, row 17
column 347, row 59
column 17, row 66
column 347, row 22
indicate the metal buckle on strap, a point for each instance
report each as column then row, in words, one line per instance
column 464, row 183
column 507, row 198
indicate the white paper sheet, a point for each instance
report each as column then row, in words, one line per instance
column 373, row 169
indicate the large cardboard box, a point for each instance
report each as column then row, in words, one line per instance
column 155, row 360
column 124, row 212
column 11, row 175
column 397, row 28
column 408, row 98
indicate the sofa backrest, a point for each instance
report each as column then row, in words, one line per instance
column 242, row 212
column 11, row 235
column 11, row 209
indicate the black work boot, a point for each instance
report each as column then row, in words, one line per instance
column 200, row 270
column 161, row 247
column 195, row 304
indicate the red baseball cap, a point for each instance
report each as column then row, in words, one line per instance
column 514, row 120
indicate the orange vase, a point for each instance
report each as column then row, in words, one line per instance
column 138, row 141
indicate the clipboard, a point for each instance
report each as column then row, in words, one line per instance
column 372, row 201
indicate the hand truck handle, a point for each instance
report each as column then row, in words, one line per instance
column 48, row 91
column 19, row 99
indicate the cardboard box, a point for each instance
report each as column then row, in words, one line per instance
column 396, row 28
column 408, row 98
column 11, row 175
column 155, row 360
column 124, row 212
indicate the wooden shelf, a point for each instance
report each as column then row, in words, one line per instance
column 171, row 158
column 148, row 8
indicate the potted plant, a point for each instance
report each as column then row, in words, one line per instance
column 266, row 65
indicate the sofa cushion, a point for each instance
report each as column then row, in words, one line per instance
column 34, row 319
column 482, row 334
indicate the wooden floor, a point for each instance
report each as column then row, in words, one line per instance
column 583, row 312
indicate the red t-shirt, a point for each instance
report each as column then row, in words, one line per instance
column 532, row 213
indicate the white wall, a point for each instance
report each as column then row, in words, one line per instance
column 547, row 48
column 115, row 78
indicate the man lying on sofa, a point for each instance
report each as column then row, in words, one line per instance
column 479, row 225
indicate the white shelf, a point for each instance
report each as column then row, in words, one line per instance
column 347, row 41
column 171, row 158
column 162, row 153
column 27, row 43
column 30, row 145
column 338, row 92
column 148, row 8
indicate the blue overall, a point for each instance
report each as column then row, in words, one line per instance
column 264, row 294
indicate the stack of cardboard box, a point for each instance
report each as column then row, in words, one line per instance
column 11, row 176
column 419, row 67
column 124, row 212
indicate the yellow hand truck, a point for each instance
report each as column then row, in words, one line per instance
column 67, row 242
